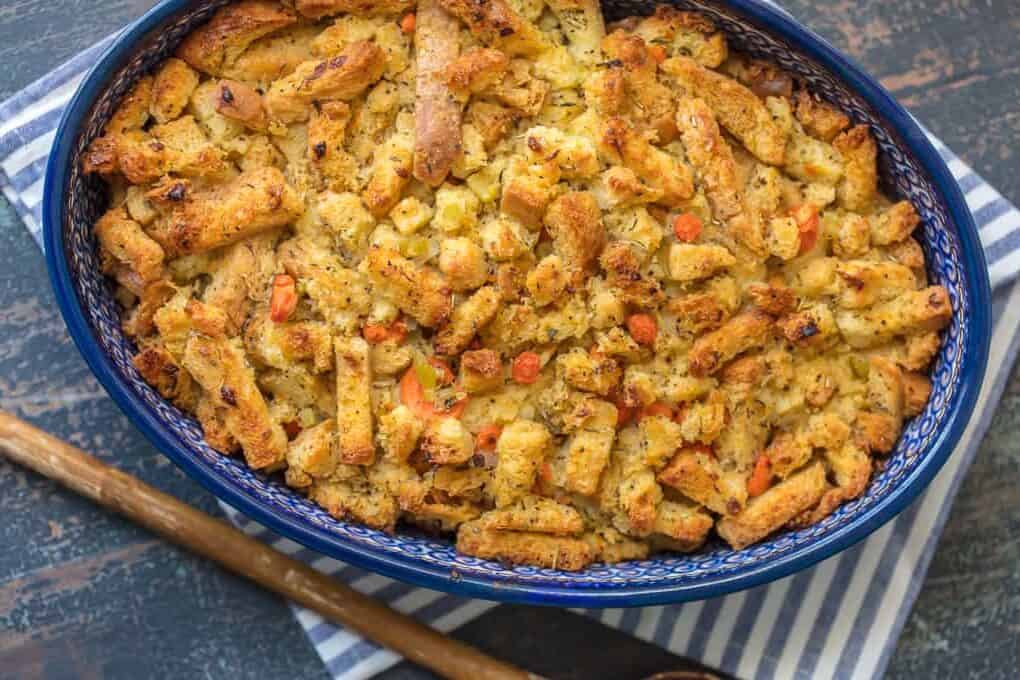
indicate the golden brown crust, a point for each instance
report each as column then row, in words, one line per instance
column 743, row 332
column 495, row 24
column 818, row 118
column 738, row 109
column 437, row 113
column 420, row 291
column 218, row 43
column 255, row 202
column 317, row 9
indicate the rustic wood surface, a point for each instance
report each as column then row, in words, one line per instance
column 86, row 594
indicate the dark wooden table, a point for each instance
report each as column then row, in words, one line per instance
column 85, row 594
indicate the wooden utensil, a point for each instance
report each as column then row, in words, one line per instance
column 192, row 529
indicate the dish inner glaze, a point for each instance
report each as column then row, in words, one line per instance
column 576, row 293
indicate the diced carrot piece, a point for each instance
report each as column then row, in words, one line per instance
column 283, row 300
column 624, row 413
column 525, row 368
column 658, row 53
column 643, row 329
column 375, row 333
column 806, row 216
column 655, row 409
column 545, row 472
column 487, row 437
column 687, row 227
column 407, row 23
column 761, row 477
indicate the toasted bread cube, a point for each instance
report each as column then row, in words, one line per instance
column 748, row 330
column 456, row 209
column 697, row 474
column 590, row 445
column 391, row 172
column 574, row 221
column 686, row 526
column 576, row 156
column 782, row 238
column 219, row 366
column 522, row 447
column 128, row 253
column 311, row 455
column 894, row 224
column 171, row 89
column 480, row 371
column 536, row 514
column 437, row 110
column 660, row 438
column 627, row 146
column 342, row 77
column 317, row 9
column 447, row 442
column 548, row 280
column 688, row 33
column 214, row 46
column 163, row 371
column 692, row 262
column 916, row 390
column 639, row 498
column 496, row 24
column 256, row 201
column 912, row 312
column 738, row 109
column 356, row 500
column 521, row 547
column 420, row 291
column 467, row 319
column 504, row 238
column 611, row 546
column 463, row 263
column 476, row 70
column 818, row 118
column 398, row 434
column 588, row 372
column 865, row 283
column 774, row 508
column 859, row 187
column 355, row 442
column 582, row 24
column 711, row 157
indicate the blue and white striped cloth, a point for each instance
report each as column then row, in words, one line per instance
column 840, row 619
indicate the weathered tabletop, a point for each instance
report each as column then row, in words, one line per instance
column 85, row 594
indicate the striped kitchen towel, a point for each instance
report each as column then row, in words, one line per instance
column 839, row 619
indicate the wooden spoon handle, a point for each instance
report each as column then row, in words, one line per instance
column 192, row 529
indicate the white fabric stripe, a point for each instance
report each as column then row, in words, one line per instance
column 958, row 168
column 611, row 617
column 307, row 618
column 723, row 629
column 28, row 154
column 807, row 618
column 327, row 565
column 415, row 600
column 33, row 194
column 684, row 626
column 41, row 107
column 369, row 583
column 754, row 650
column 336, row 644
column 462, row 614
column 649, row 620
column 1002, row 270
column 856, row 592
column 999, row 228
column 982, row 195
column 933, row 498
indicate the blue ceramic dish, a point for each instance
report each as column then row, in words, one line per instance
column 911, row 168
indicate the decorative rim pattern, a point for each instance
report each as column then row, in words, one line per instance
column 910, row 168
